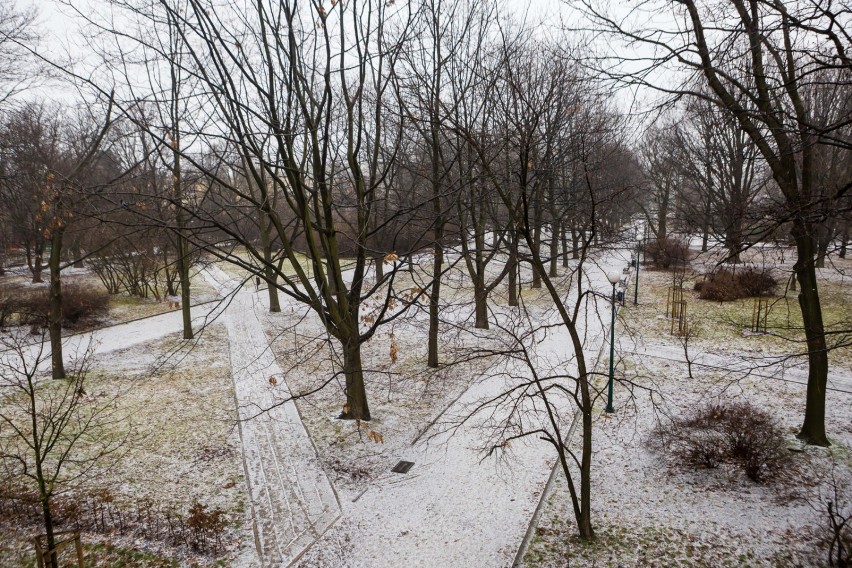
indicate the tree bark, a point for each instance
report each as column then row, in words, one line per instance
column 480, row 301
column 182, row 240
column 356, row 392
column 575, row 243
column 36, row 263
column 813, row 428
column 434, row 303
column 513, row 267
column 55, row 318
column 268, row 267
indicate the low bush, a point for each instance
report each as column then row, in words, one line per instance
column 667, row 253
column 737, row 434
column 8, row 304
column 81, row 305
column 200, row 529
column 725, row 285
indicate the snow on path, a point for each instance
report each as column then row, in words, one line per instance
column 453, row 508
column 293, row 502
column 117, row 337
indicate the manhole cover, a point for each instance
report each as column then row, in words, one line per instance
column 402, row 467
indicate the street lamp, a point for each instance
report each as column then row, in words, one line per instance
column 636, row 276
column 613, row 278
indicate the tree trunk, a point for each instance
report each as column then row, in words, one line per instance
column 55, row 319
column 513, row 267
column 438, row 251
column 434, row 304
column 535, row 247
column 823, row 242
column 554, row 249
column 480, row 301
column 268, row 268
column 564, row 247
column 575, row 243
column 76, row 253
column 35, row 266
column 182, row 240
column 356, row 393
column 53, row 557
column 813, row 428
column 380, row 268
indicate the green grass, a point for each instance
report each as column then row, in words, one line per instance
column 94, row 555
column 718, row 323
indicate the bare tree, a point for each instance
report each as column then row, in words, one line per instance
column 298, row 93
column 52, row 434
column 17, row 38
column 756, row 66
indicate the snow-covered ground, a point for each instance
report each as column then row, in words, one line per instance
column 649, row 512
column 321, row 489
column 293, row 501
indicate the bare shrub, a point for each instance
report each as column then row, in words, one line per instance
column 757, row 282
column 833, row 535
column 721, row 286
column 8, row 304
column 205, row 526
column 733, row 433
column 81, row 305
column 840, row 541
column 100, row 511
column 667, row 253
column 726, row 285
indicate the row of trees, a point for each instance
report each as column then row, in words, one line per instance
column 308, row 142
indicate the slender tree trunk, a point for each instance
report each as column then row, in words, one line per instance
column 182, row 240
column 825, row 234
column 434, row 301
column 813, row 428
column 513, row 267
column 575, row 243
column 536, row 241
column 76, row 253
column 35, row 266
column 480, row 301
column 554, row 249
column 564, row 232
column 44, row 495
column 268, row 268
column 438, row 250
column 380, row 268
column 55, row 319
column 844, row 239
column 356, row 393
column 53, row 557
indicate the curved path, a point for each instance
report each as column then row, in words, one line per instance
column 293, row 502
column 451, row 509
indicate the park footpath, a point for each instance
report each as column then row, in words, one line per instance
column 454, row 508
column 293, row 502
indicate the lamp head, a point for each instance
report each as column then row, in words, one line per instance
column 613, row 277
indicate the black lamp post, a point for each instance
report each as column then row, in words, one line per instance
column 636, row 276
column 613, row 278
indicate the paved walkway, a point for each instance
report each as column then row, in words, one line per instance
column 292, row 499
column 452, row 509
column 455, row 507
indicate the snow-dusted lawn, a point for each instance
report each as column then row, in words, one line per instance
column 183, row 447
column 648, row 513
